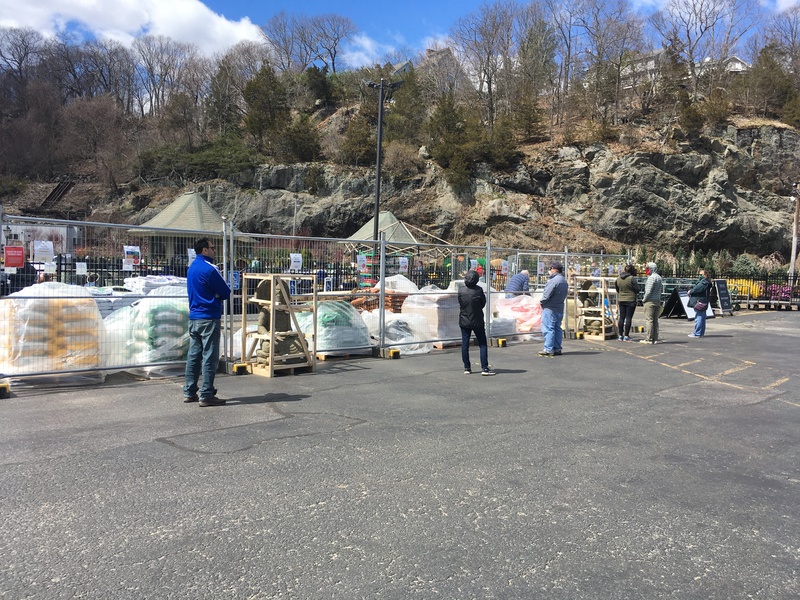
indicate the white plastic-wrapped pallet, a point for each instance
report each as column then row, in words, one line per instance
column 161, row 326
column 50, row 327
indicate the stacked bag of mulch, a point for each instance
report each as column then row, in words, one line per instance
column 50, row 327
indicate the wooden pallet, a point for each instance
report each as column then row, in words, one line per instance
column 263, row 370
column 345, row 354
column 443, row 345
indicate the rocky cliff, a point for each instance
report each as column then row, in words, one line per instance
column 728, row 191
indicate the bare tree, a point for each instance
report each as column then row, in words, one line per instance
column 20, row 51
column 611, row 34
column 564, row 15
column 162, row 69
column 783, row 30
column 705, row 32
column 485, row 40
column 113, row 69
column 280, row 33
column 96, row 131
column 330, row 31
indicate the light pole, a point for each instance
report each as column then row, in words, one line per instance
column 380, row 86
column 796, row 198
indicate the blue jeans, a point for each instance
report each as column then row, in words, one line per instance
column 551, row 328
column 480, row 336
column 700, row 323
column 203, row 357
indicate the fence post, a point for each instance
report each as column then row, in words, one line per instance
column 227, row 319
column 382, row 296
column 488, row 271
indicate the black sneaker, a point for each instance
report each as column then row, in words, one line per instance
column 488, row 373
column 212, row 401
column 467, row 372
column 557, row 353
column 194, row 398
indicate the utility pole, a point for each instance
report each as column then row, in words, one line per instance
column 796, row 198
column 380, row 86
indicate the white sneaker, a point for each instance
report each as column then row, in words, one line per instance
column 693, row 335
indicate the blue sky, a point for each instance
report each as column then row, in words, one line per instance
column 215, row 25
column 409, row 26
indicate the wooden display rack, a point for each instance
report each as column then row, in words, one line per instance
column 280, row 301
column 584, row 314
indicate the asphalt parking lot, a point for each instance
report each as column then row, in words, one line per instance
column 618, row 470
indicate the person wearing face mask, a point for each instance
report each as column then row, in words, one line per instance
column 699, row 298
column 652, row 304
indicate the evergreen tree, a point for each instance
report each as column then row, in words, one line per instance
column 267, row 108
column 302, row 141
column 405, row 121
column 359, row 146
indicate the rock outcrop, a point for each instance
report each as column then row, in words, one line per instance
column 727, row 191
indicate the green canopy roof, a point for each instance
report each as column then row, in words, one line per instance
column 188, row 211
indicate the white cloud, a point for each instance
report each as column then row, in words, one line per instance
column 182, row 20
column 363, row 51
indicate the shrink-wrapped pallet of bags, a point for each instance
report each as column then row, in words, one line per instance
column 440, row 310
column 160, row 330
column 118, row 349
column 50, row 327
column 339, row 327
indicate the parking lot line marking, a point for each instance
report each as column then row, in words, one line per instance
column 691, row 362
column 775, row 384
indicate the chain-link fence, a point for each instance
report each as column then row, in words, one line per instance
column 82, row 298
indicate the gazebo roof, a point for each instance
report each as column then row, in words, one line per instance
column 188, row 211
column 399, row 235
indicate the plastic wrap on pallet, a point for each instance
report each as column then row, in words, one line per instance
column 50, row 326
column 525, row 310
column 339, row 327
column 439, row 309
column 399, row 283
column 150, row 283
column 404, row 331
column 161, row 326
column 501, row 326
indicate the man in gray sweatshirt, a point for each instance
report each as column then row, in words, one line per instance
column 652, row 304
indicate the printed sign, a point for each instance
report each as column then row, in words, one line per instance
column 132, row 256
column 724, row 296
column 14, row 256
column 43, row 251
column 295, row 261
column 361, row 261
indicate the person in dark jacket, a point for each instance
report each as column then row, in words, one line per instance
column 627, row 288
column 471, row 301
column 701, row 292
column 207, row 291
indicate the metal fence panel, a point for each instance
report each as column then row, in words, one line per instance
column 115, row 295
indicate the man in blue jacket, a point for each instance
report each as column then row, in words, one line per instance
column 555, row 293
column 207, row 291
column 518, row 285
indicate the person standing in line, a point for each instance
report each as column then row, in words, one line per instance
column 699, row 299
column 471, row 301
column 652, row 304
column 518, row 285
column 627, row 289
column 555, row 293
column 207, row 291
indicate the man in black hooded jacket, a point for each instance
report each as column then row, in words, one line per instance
column 471, row 301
